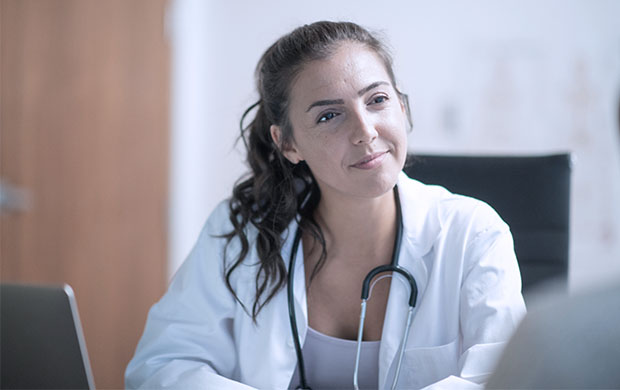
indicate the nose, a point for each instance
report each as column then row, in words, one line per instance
column 363, row 128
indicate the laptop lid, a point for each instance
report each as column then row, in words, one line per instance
column 41, row 339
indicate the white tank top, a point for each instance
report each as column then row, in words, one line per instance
column 330, row 362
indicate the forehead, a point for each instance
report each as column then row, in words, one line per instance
column 350, row 67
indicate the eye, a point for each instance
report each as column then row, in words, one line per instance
column 379, row 99
column 327, row 116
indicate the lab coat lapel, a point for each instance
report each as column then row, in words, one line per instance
column 419, row 232
column 274, row 336
column 299, row 291
column 299, row 294
column 299, row 282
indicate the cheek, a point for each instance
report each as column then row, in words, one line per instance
column 325, row 149
column 396, row 127
column 322, row 151
column 396, row 134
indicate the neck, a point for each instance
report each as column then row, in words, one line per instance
column 362, row 226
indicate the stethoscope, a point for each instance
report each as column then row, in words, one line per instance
column 392, row 267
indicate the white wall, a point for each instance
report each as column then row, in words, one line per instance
column 482, row 76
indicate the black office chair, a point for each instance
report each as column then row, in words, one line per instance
column 530, row 193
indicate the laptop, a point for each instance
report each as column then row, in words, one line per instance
column 41, row 340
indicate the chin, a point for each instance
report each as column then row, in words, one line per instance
column 363, row 184
column 377, row 184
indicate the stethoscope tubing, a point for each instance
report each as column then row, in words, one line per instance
column 413, row 296
column 392, row 267
column 291, row 313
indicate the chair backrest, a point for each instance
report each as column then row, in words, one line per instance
column 530, row 193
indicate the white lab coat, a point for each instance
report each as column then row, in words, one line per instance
column 457, row 248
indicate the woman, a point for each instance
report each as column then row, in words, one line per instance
column 326, row 148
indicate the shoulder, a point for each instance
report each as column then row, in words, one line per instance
column 218, row 222
column 433, row 210
column 219, row 225
column 206, row 254
column 214, row 248
column 205, row 268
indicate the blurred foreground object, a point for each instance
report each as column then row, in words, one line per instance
column 567, row 342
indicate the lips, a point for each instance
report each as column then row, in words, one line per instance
column 370, row 161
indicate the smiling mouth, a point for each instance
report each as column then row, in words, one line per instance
column 370, row 161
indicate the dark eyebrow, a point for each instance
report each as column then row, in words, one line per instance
column 325, row 103
column 340, row 101
column 371, row 87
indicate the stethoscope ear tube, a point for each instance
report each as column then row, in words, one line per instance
column 413, row 296
column 360, row 334
column 402, row 347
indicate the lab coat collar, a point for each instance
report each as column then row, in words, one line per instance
column 421, row 226
column 421, row 222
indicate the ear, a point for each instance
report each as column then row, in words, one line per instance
column 403, row 104
column 289, row 151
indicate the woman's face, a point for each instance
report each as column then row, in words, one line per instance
column 349, row 124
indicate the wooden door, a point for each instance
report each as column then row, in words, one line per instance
column 84, row 134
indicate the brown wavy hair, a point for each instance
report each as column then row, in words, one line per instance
column 276, row 191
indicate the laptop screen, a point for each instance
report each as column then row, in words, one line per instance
column 41, row 339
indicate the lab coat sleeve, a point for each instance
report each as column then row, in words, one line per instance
column 491, row 304
column 188, row 340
